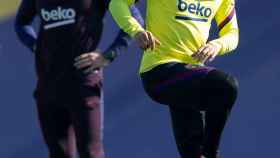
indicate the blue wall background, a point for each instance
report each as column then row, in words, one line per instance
column 136, row 127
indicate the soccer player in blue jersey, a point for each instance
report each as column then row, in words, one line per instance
column 69, row 89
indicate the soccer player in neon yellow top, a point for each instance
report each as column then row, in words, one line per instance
column 174, row 71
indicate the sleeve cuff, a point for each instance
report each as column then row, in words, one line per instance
column 218, row 44
column 136, row 30
column 109, row 55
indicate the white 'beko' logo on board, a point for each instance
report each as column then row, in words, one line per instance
column 58, row 17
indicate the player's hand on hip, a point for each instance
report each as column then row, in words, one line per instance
column 146, row 40
column 89, row 62
column 207, row 53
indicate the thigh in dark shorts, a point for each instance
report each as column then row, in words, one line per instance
column 77, row 104
column 175, row 83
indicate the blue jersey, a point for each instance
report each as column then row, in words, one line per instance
column 67, row 30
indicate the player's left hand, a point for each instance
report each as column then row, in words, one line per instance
column 207, row 53
column 89, row 62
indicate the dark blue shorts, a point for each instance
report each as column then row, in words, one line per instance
column 70, row 112
column 175, row 83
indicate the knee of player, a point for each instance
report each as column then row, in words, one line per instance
column 92, row 102
column 92, row 150
column 224, row 81
column 224, row 85
column 232, row 85
column 96, row 152
column 230, row 90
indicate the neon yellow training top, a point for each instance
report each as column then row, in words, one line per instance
column 182, row 26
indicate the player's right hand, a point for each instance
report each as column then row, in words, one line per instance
column 91, row 61
column 146, row 40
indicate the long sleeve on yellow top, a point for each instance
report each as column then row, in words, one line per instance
column 228, row 27
column 121, row 13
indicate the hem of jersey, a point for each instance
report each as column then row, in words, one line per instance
column 150, row 67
